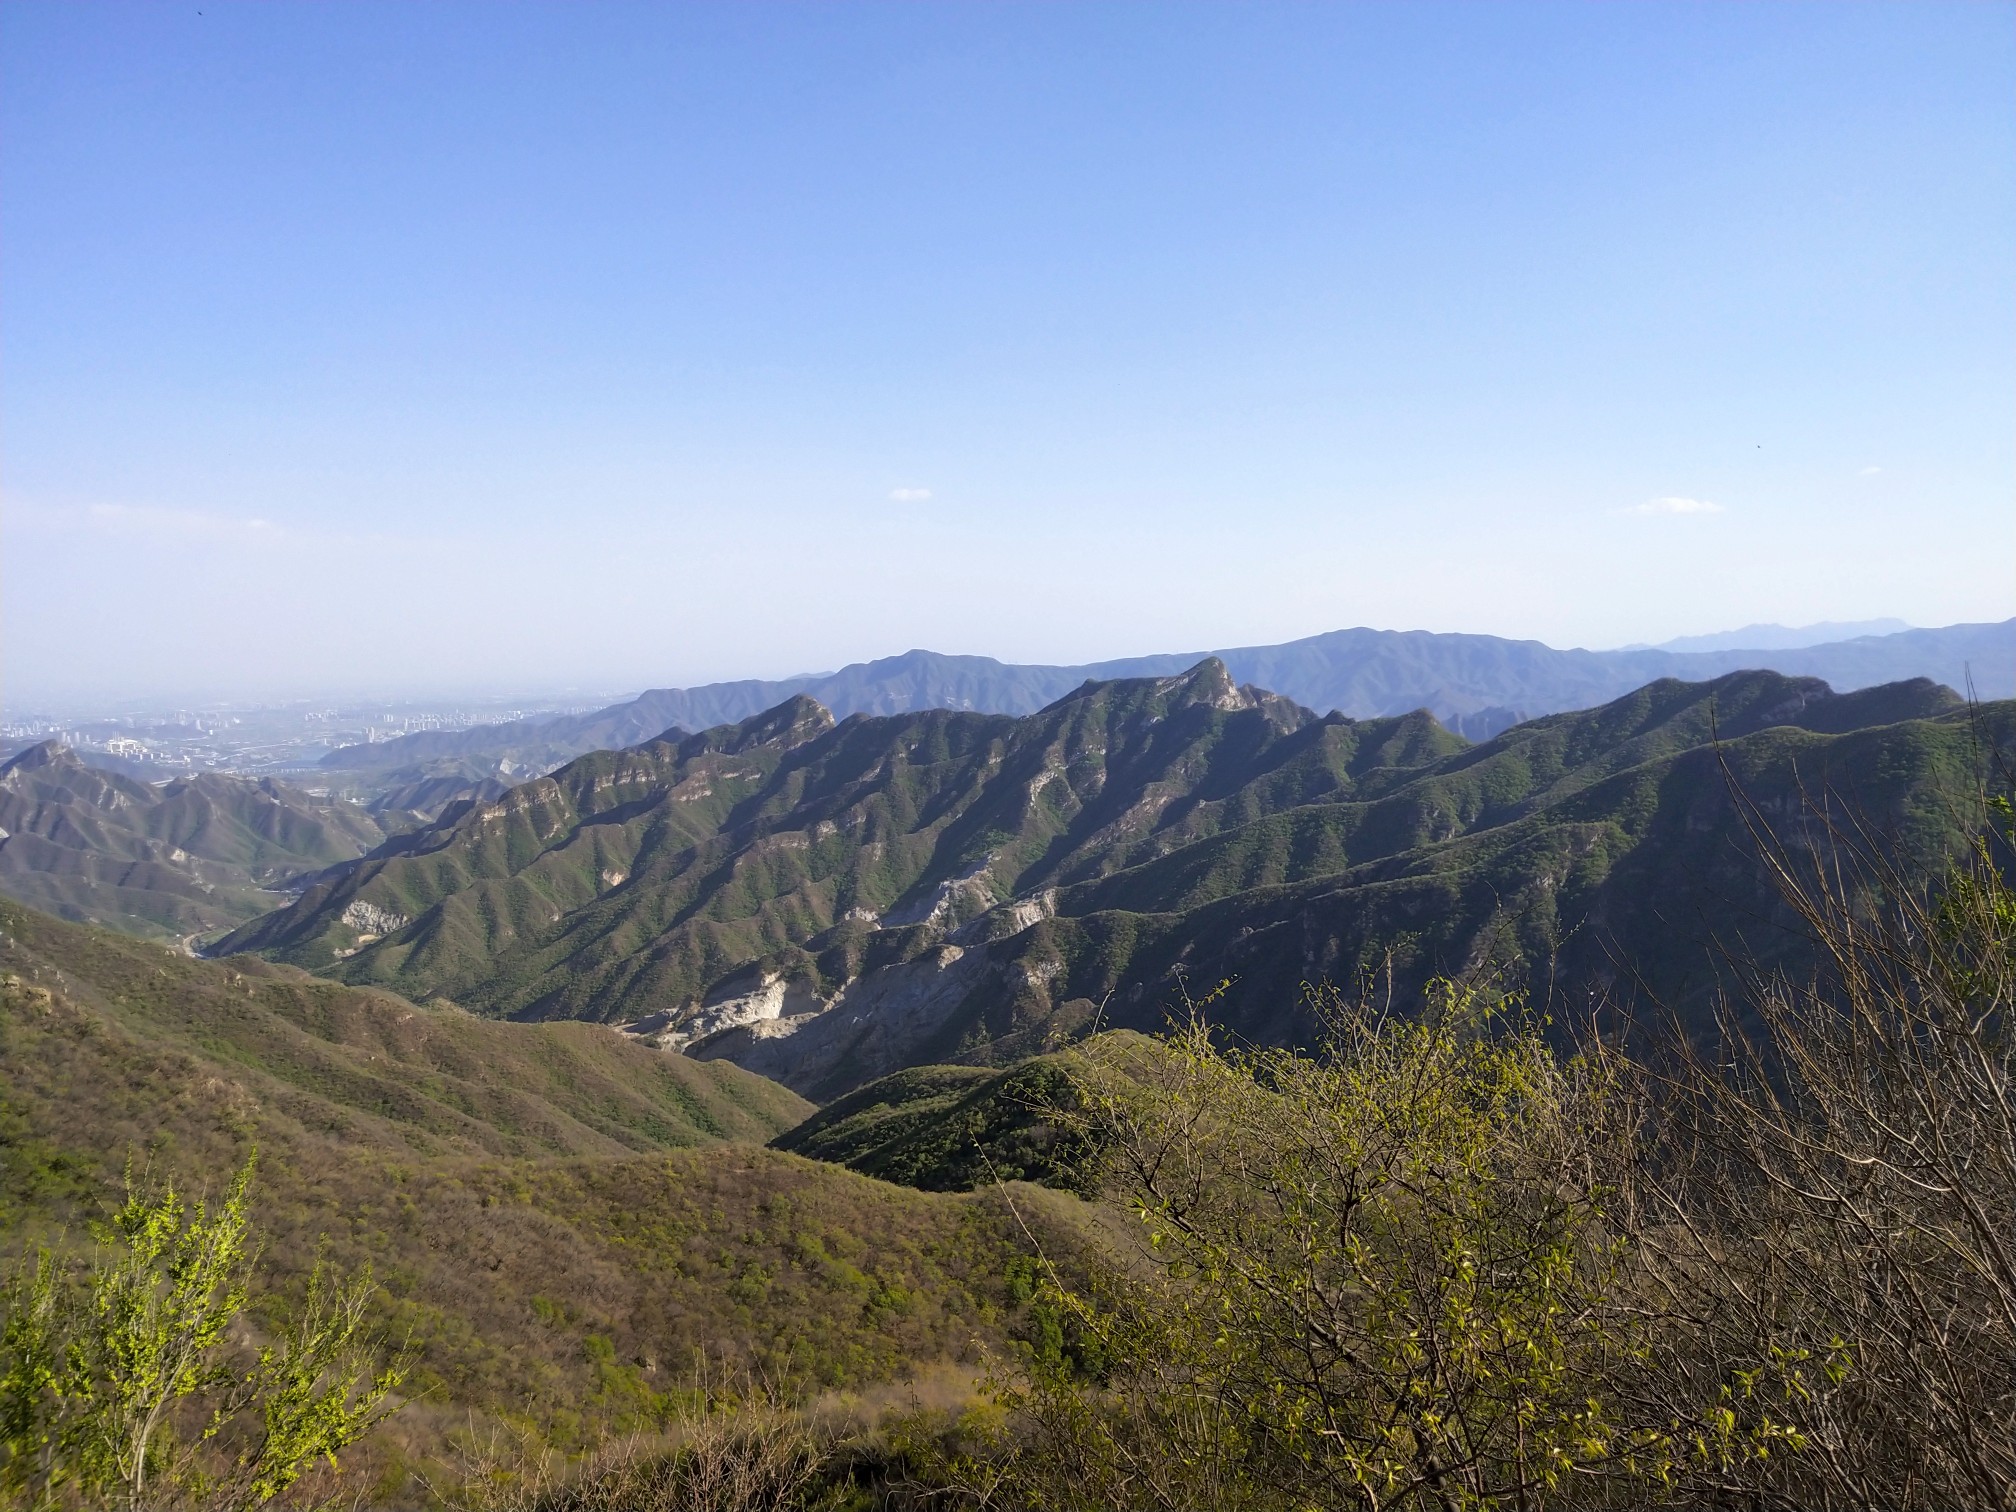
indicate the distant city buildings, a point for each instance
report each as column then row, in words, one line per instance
column 281, row 740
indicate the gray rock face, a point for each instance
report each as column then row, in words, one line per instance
column 879, row 1023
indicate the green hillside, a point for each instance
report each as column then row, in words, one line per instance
column 960, row 1128
column 192, row 857
column 629, row 883
column 830, row 903
column 945, row 1128
column 368, row 1066
column 562, row 1221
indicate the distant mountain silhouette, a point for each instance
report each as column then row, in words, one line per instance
column 1477, row 685
column 1779, row 637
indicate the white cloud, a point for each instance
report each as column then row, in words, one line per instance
column 138, row 522
column 142, row 519
column 909, row 495
column 153, row 525
column 1870, row 472
column 1676, row 506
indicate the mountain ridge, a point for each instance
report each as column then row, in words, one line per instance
column 1475, row 684
column 966, row 886
column 1776, row 637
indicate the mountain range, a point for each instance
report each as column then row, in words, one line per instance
column 1476, row 685
column 827, row 901
column 1779, row 637
column 520, row 1048
column 183, row 859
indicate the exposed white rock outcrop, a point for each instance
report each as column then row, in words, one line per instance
column 970, row 891
column 1209, row 683
column 1009, row 920
column 876, row 1024
column 1026, row 913
column 369, row 918
column 741, row 1000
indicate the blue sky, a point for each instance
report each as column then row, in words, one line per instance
column 443, row 347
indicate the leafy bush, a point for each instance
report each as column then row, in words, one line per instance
column 1381, row 1274
column 127, row 1387
column 1437, row 1262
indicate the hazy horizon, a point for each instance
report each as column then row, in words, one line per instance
column 392, row 694
column 406, row 349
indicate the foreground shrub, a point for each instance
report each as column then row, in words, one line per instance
column 127, row 1388
column 1826, row 1222
column 1438, row 1263
column 1378, row 1275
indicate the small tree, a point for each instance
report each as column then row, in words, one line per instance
column 126, row 1388
column 1378, row 1276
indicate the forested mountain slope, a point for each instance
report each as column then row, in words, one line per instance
column 628, row 882
column 827, row 903
column 193, row 856
column 1587, row 856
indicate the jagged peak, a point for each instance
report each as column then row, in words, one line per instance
column 1209, row 682
column 791, row 723
column 46, row 753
